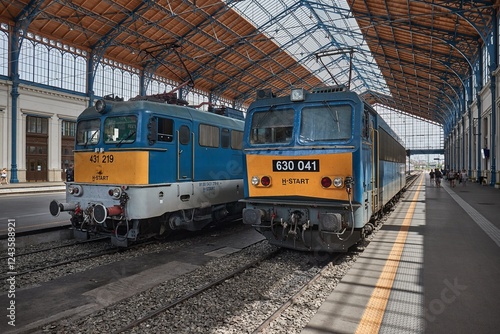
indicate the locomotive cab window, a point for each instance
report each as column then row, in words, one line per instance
column 121, row 129
column 88, row 132
column 165, row 129
column 272, row 126
column 326, row 123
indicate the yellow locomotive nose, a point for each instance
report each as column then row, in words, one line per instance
column 112, row 167
column 318, row 176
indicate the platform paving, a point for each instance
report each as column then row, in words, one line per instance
column 31, row 187
column 432, row 268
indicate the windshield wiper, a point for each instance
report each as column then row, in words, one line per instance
column 90, row 139
column 265, row 116
column 125, row 138
column 336, row 118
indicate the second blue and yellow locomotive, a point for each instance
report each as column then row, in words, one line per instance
column 144, row 167
column 320, row 166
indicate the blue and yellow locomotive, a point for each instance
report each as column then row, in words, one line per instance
column 320, row 166
column 145, row 167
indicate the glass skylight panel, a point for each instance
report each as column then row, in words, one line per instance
column 305, row 28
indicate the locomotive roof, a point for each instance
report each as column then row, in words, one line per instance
column 311, row 97
column 169, row 110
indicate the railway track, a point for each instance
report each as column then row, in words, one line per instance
column 280, row 286
column 78, row 256
column 267, row 279
column 52, row 257
column 193, row 294
column 279, row 312
column 48, row 249
column 249, row 291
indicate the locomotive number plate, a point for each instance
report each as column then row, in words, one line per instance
column 296, row 165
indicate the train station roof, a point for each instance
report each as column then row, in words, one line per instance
column 414, row 56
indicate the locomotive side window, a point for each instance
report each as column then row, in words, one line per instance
column 236, row 140
column 391, row 149
column 209, row 135
column 272, row 126
column 88, row 132
column 365, row 132
column 326, row 123
column 120, row 129
column 225, row 139
column 184, row 135
column 165, row 129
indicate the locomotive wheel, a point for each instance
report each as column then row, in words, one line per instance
column 165, row 230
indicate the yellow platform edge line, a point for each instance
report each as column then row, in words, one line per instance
column 375, row 309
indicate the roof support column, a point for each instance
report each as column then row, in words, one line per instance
column 14, row 66
column 479, row 85
column 494, row 107
column 471, row 131
column 464, row 111
column 90, row 80
column 478, row 134
column 22, row 22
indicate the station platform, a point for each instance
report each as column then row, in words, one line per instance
column 31, row 187
column 434, row 267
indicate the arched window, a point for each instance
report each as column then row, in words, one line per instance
column 55, row 68
column 112, row 78
column 80, row 74
column 26, row 60
column 4, row 49
column 68, row 71
column 40, row 68
column 117, row 82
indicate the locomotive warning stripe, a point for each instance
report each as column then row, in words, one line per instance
column 375, row 309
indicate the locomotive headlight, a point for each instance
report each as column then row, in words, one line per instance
column 102, row 107
column 297, row 94
column 75, row 190
column 338, row 182
column 264, row 181
column 255, row 180
column 115, row 192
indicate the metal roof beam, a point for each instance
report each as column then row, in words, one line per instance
column 442, row 78
column 480, row 15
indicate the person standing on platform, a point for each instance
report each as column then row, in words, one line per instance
column 3, row 176
column 463, row 177
column 452, row 177
column 438, row 176
column 432, row 174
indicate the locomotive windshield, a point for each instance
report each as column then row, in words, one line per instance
column 326, row 123
column 272, row 126
column 88, row 132
column 120, row 129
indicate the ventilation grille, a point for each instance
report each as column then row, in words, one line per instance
column 330, row 89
